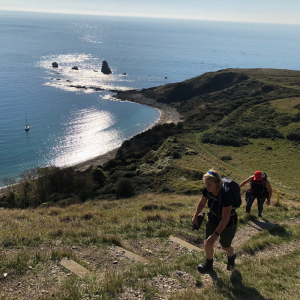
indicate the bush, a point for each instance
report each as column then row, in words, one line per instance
column 225, row 158
column 98, row 175
column 124, row 187
column 294, row 135
column 176, row 155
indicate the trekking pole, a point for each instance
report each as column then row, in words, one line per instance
column 278, row 197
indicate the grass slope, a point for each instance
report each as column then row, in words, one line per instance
column 236, row 121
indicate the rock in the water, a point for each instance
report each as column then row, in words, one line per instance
column 124, row 74
column 55, row 65
column 105, row 68
column 75, row 68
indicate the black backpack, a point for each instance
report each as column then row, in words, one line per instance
column 234, row 188
column 258, row 187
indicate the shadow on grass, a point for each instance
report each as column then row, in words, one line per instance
column 278, row 231
column 240, row 291
column 274, row 229
column 265, row 224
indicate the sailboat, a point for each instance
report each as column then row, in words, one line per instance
column 26, row 125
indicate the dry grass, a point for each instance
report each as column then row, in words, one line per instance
column 39, row 238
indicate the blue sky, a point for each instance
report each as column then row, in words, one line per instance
column 261, row 11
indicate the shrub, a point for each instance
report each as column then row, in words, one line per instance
column 98, row 175
column 124, row 187
column 294, row 135
column 112, row 239
column 176, row 155
column 149, row 207
column 225, row 158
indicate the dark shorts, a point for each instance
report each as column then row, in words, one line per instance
column 226, row 235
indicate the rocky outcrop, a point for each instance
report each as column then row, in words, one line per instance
column 105, row 68
column 75, row 68
column 54, row 65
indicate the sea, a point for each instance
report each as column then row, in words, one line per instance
column 70, row 125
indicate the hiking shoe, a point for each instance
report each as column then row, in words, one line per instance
column 231, row 262
column 206, row 266
column 259, row 215
column 248, row 209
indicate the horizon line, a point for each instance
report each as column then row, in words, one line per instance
column 140, row 15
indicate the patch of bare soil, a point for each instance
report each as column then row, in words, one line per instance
column 250, row 229
column 36, row 283
column 131, row 294
column 151, row 249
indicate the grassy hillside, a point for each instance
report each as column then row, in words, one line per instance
column 236, row 121
column 33, row 241
column 242, row 119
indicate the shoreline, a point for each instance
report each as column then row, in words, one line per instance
column 167, row 115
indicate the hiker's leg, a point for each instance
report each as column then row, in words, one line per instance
column 226, row 238
column 260, row 204
column 229, row 250
column 208, row 247
column 249, row 201
column 208, row 264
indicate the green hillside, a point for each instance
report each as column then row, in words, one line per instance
column 236, row 121
column 242, row 120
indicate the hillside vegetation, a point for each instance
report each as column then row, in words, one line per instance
column 236, row 121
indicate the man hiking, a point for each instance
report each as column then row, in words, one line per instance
column 260, row 188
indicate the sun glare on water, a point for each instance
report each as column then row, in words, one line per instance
column 88, row 74
column 88, row 134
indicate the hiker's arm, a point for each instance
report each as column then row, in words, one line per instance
column 226, row 211
column 246, row 181
column 200, row 206
column 269, row 188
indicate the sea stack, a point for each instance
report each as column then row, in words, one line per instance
column 105, row 68
column 54, row 65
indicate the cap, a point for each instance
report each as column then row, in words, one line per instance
column 257, row 175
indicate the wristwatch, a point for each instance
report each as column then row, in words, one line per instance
column 217, row 233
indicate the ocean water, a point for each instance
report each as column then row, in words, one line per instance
column 67, row 125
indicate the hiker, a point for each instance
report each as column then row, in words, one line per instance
column 260, row 188
column 222, row 219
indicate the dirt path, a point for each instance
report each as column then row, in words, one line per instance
column 249, row 230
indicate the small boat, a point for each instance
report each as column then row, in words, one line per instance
column 26, row 124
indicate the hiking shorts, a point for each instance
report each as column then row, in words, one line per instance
column 226, row 235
